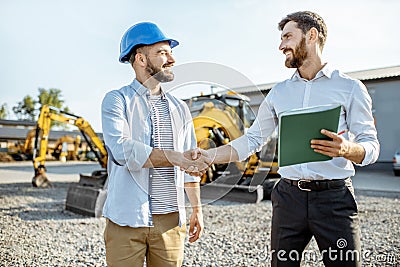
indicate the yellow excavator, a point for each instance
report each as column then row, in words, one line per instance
column 42, row 131
column 28, row 144
column 219, row 119
column 87, row 197
column 66, row 148
column 24, row 150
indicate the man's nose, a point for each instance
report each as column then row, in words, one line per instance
column 281, row 46
column 171, row 58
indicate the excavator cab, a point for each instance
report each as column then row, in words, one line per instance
column 237, row 106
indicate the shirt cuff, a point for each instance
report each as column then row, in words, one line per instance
column 369, row 157
column 191, row 179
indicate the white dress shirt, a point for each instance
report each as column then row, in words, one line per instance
column 328, row 87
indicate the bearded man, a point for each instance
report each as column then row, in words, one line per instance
column 314, row 199
column 146, row 131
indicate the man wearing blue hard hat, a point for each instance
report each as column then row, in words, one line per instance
column 146, row 131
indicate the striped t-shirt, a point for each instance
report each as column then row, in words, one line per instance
column 162, row 179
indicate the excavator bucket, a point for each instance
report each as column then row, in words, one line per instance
column 40, row 179
column 88, row 196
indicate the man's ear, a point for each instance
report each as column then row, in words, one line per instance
column 140, row 59
column 312, row 35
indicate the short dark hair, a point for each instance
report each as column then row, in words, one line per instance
column 305, row 21
column 132, row 54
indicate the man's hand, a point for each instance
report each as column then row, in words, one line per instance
column 196, row 219
column 196, row 225
column 222, row 154
column 195, row 166
column 198, row 152
column 338, row 147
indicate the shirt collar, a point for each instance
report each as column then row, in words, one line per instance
column 143, row 91
column 325, row 71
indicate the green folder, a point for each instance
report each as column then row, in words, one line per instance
column 298, row 126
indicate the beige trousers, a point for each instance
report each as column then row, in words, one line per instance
column 161, row 245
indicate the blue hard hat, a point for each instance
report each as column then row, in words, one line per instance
column 144, row 33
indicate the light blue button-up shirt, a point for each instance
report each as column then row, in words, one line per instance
column 329, row 86
column 127, row 134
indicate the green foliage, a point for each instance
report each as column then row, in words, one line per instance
column 3, row 111
column 51, row 97
column 29, row 109
column 25, row 109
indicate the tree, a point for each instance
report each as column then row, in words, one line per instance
column 28, row 108
column 51, row 97
column 25, row 109
column 3, row 111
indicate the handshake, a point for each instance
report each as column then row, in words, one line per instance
column 195, row 162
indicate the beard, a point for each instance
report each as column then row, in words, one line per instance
column 299, row 54
column 157, row 73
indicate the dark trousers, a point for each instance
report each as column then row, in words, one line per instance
column 331, row 216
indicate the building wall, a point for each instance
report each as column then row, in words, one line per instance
column 386, row 106
column 255, row 100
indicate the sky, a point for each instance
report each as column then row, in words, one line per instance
column 73, row 45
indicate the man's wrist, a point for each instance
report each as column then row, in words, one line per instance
column 197, row 209
column 176, row 158
column 212, row 154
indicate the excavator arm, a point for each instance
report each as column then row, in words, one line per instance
column 47, row 115
column 28, row 144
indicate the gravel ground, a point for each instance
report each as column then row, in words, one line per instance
column 35, row 230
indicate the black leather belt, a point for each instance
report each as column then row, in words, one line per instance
column 316, row 185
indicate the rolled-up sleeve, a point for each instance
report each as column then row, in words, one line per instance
column 361, row 123
column 117, row 134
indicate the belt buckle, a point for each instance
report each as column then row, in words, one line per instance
column 302, row 182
